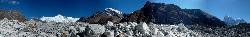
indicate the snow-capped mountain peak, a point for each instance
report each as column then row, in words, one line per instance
column 59, row 18
column 233, row 21
column 112, row 11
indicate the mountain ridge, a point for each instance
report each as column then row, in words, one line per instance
column 12, row 15
column 161, row 13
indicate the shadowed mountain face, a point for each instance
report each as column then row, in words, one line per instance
column 12, row 15
column 157, row 13
column 198, row 16
column 161, row 13
column 102, row 17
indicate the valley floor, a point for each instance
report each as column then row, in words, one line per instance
column 32, row 28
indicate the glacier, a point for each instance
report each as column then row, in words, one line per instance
column 59, row 18
column 13, row 28
column 32, row 28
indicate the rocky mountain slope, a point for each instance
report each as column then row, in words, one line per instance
column 12, row 14
column 102, row 17
column 159, row 13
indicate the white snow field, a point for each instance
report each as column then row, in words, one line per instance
column 59, row 18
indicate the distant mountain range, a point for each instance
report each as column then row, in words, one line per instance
column 152, row 20
column 233, row 21
column 159, row 13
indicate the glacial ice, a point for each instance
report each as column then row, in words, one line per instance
column 143, row 28
column 59, row 18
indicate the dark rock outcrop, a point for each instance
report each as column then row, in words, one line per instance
column 12, row 15
column 198, row 16
column 157, row 13
column 161, row 13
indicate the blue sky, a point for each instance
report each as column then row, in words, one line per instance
column 74, row 8
column 79, row 8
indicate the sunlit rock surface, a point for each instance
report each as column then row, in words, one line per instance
column 13, row 28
